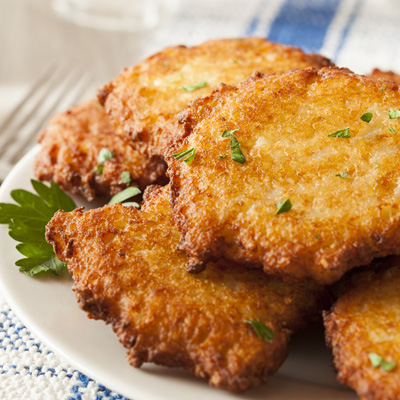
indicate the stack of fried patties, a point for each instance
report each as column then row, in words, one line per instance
column 283, row 176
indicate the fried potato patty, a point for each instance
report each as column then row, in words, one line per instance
column 143, row 100
column 387, row 75
column 293, row 131
column 71, row 143
column 364, row 321
column 128, row 272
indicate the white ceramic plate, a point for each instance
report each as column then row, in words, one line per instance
column 47, row 306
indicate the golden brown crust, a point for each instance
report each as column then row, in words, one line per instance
column 224, row 208
column 128, row 272
column 71, row 143
column 365, row 320
column 387, row 75
column 143, row 100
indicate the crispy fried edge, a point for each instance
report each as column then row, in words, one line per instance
column 335, row 319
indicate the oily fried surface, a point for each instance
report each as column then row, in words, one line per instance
column 225, row 208
column 71, row 143
column 128, row 272
column 387, row 75
column 365, row 320
column 143, row 100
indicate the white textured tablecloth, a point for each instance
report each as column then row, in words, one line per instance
column 358, row 34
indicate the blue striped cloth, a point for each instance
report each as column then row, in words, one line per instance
column 358, row 34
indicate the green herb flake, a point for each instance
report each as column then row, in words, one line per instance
column 383, row 88
column 318, row 236
column 27, row 222
column 366, row 117
column 191, row 88
column 222, row 156
column 125, row 195
column 235, row 61
column 343, row 175
column 393, row 114
column 392, row 130
column 376, row 165
column 125, row 178
column 185, row 155
column 345, row 133
column 283, row 206
column 236, row 152
column 375, row 359
column 165, row 63
column 388, row 366
column 378, row 361
column 263, row 331
column 104, row 155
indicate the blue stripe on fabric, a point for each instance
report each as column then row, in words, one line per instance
column 303, row 23
column 346, row 30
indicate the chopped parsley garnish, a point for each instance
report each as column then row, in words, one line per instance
column 343, row 175
column 392, row 130
column 27, row 222
column 125, row 178
column 376, row 165
column 236, row 153
column 378, row 361
column 191, row 88
column 125, row 195
column 222, row 156
column 383, row 89
column 263, row 331
column 283, row 206
column 345, row 133
column 165, row 63
column 104, row 155
column 235, row 61
column 366, row 117
column 318, row 236
column 393, row 114
column 185, row 155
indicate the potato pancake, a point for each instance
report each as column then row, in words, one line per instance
column 296, row 173
column 71, row 145
column 143, row 100
column 128, row 272
column 387, row 75
column 363, row 330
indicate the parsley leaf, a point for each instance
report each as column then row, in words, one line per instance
column 125, row 195
column 317, row 236
column 343, row 175
column 376, row 165
column 366, row 117
column 104, row 155
column 392, row 130
column 388, row 366
column 183, row 155
column 378, row 361
column 283, row 206
column 222, row 156
column 27, row 222
column 236, row 153
column 125, row 178
column 345, row 133
column 262, row 330
column 393, row 114
column 191, row 88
